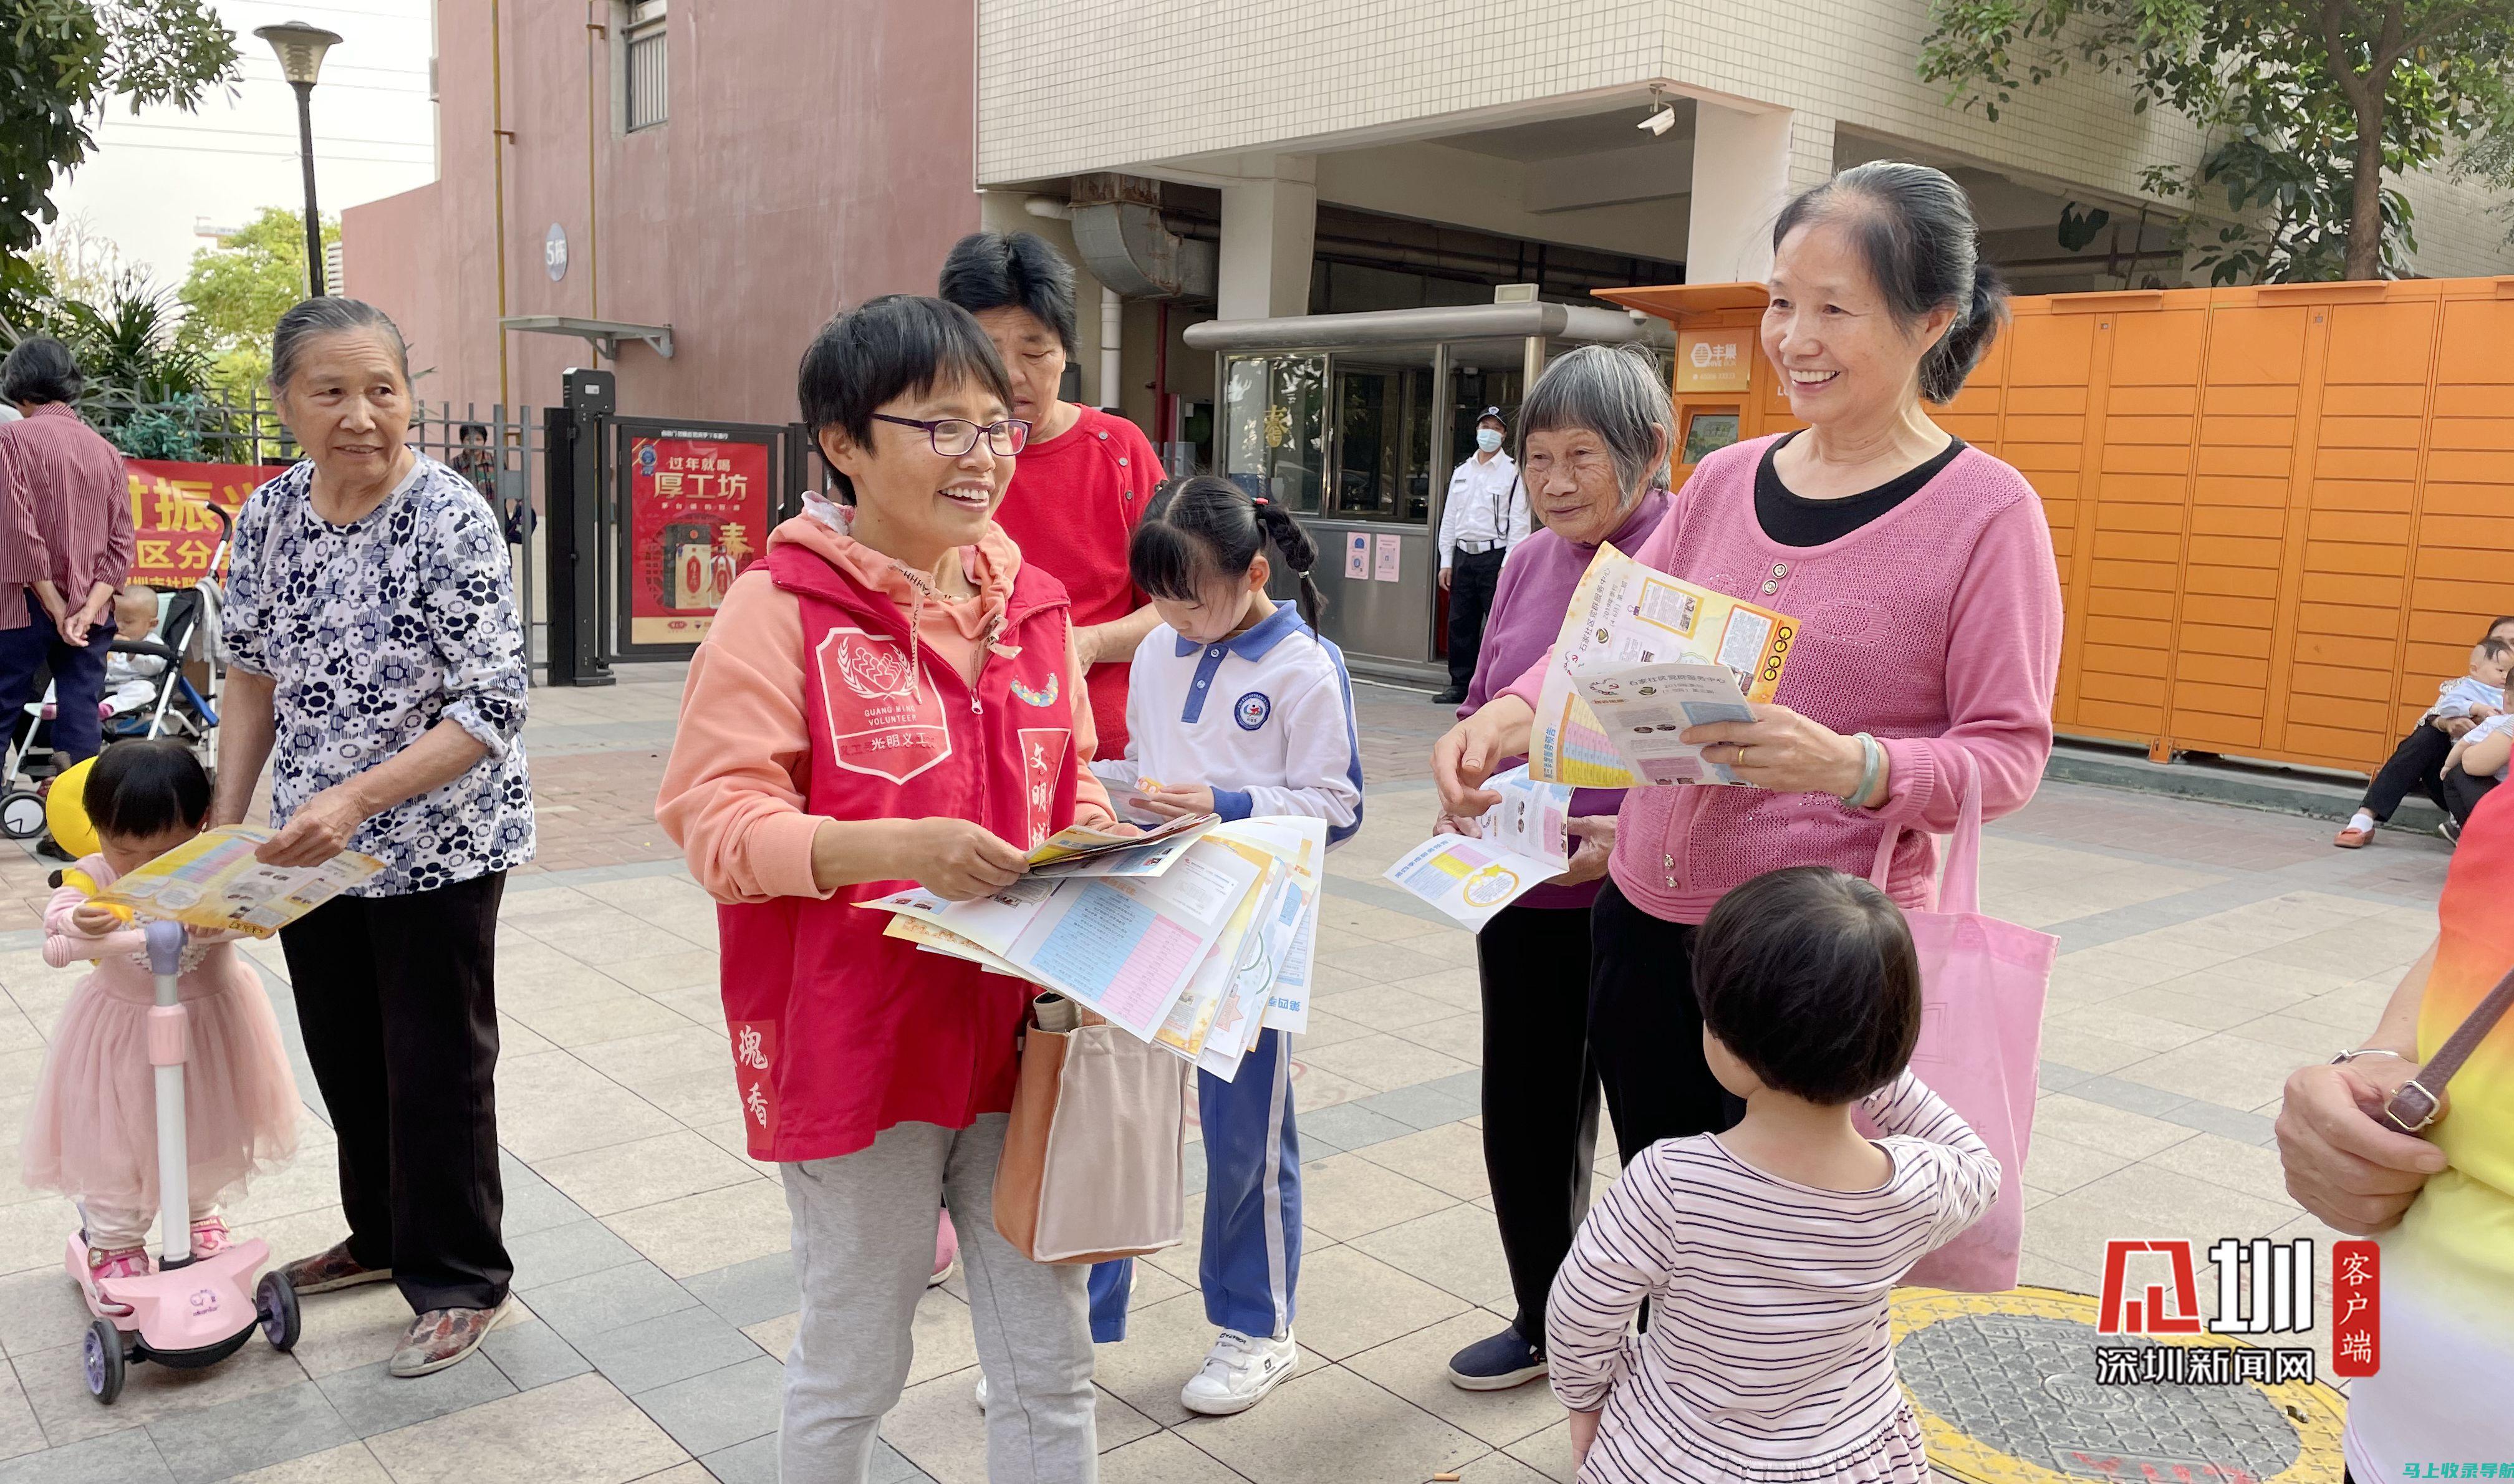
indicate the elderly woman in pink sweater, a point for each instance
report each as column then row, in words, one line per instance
column 1921, row 572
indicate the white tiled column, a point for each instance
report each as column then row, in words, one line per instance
column 1269, row 225
column 1746, row 167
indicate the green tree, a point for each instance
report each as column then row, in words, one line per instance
column 2305, row 104
column 237, row 290
column 60, row 61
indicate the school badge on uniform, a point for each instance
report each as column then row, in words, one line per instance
column 1251, row 710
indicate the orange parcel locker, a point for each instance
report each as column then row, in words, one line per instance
column 2280, row 514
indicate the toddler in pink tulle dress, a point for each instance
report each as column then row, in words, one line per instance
column 92, row 1134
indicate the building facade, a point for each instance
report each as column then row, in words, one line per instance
column 739, row 173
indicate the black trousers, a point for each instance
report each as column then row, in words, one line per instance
column 1540, row 1094
column 2462, row 792
column 396, row 996
column 2417, row 763
column 1471, row 576
column 1646, row 1030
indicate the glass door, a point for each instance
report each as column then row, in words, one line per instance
column 1273, row 427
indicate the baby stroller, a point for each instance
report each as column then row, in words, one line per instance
column 187, row 629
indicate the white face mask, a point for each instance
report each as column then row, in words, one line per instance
column 1489, row 439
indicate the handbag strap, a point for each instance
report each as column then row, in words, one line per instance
column 2465, row 1037
column 1958, row 889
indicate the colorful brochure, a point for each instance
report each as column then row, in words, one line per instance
column 1520, row 843
column 1629, row 628
column 213, row 881
column 1078, row 850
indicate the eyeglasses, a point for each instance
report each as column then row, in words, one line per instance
column 952, row 437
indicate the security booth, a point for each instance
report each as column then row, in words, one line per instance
column 1354, row 422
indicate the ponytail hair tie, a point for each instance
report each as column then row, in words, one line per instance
column 1259, row 500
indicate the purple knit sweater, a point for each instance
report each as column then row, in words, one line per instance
column 1934, row 628
column 1529, row 600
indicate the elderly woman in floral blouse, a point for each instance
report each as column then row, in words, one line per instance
column 377, row 653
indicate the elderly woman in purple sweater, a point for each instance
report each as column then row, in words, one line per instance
column 1594, row 441
column 1921, row 574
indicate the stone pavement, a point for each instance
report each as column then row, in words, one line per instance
column 2205, row 951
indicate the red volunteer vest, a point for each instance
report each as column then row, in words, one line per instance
column 839, row 1031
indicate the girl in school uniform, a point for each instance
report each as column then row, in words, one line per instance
column 1236, row 705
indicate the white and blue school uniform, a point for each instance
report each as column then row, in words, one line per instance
column 1264, row 719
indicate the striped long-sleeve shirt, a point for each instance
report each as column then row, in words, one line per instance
column 1769, row 1355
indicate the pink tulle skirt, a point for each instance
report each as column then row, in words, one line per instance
column 92, row 1134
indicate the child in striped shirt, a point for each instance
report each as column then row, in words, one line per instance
column 1768, row 1251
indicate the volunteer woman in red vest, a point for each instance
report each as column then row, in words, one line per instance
column 1087, row 474
column 890, row 696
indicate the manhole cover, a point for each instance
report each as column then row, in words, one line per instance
column 2004, row 1385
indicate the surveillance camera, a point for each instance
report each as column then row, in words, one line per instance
column 1659, row 123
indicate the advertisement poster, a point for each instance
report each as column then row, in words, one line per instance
column 1386, row 566
column 697, row 516
column 1357, row 555
column 175, row 533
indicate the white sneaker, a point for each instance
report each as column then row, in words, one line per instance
column 1238, row 1370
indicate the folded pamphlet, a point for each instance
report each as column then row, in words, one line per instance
column 1519, row 844
column 213, row 881
column 1641, row 657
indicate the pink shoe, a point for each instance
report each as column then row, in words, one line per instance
column 120, row 1262
column 209, row 1235
column 947, row 1252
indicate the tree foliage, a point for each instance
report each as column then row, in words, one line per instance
column 63, row 61
column 2305, row 106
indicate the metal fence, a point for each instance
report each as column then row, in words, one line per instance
column 501, row 451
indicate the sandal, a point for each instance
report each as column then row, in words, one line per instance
column 2353, row 839
column 210, row 1235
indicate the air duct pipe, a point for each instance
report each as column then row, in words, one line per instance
column 1112, row 329
column 1118, row 229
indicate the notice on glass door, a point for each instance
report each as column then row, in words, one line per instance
column 1386, row 568
column 1356, row 556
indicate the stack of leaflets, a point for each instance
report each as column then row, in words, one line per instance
column 213, row 881
column 1641, row 657
column 1196, row 936
column 1520, row 843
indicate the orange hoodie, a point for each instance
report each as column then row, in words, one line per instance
column 729, row 794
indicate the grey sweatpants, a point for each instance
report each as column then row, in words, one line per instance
column 863, row 1246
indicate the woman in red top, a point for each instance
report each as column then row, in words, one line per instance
column 65, row 538
column 1086, row 475
column 888, row 697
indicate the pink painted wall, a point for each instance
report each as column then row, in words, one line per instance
column 816, row 156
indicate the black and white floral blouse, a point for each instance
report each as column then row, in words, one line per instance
column 374, row 632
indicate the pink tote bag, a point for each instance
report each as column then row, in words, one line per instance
column 1982, row 987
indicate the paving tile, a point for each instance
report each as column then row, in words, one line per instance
column 1499, row 1469
column 1418, row 1106
column 938, row 1429
column 128, row 1457
column 1164, row 1458
column 2061, row 1165
column 576, row 1431
column 40, row 1310
column 2225, row 1069
column 587, row 1305
column 350, row 1328
column 1331, row 1423
column 2057, row 1077
column 698, row 1233
column 756, row 1462
column 1383, row 1063
column 2145, row 1201
column 348, row 1464
column 1346, row 1196
column 2227, row 1123
column 18, row 1432
column 569, row 1249
column 2101, row 1126
column 1417, row 1367
column 577, row 1024
column 55, row 1386
column 656, row 1352
column 696, row 967
column 1549, row 1452
column 1349, row 1125
column 250, row 1432
column 1449, row 1159
column 643, row 1172
column 1350, row 1302
column 533, row 1354
column 1164, row 1343
column 371, row 1401
column 1383, row 1007
column 2242, row 1167
column 719, row 1408
column 1457, row 1251
column 746, row 1293
column 553, row 1105
column 2129, row 1096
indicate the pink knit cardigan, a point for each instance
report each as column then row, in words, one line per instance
column 1934, row 628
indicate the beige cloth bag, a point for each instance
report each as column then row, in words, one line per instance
column 1094, row 1163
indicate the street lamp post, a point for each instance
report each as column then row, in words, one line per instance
column 301, row 48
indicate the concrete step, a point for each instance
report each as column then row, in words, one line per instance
column 2314, row 792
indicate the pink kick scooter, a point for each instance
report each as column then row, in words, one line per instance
column 192, row 1311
